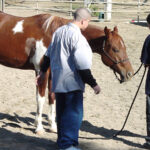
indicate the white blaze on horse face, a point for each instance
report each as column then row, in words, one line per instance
column 40, row 50
column 18, row 27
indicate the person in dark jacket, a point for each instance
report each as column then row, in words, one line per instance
column 145, row 59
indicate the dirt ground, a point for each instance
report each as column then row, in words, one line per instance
column 104, row 114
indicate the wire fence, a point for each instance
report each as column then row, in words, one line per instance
column 122, row 10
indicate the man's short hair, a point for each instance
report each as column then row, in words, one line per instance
column 82, row 13
column 148, row 19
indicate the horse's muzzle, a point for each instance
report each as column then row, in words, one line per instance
column 126, row 77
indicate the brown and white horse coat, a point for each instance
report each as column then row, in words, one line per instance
column 24, row 41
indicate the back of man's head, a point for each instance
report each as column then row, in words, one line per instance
column 82, row 13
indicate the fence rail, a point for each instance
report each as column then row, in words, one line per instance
column 121, row 10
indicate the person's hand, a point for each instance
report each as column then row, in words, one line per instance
column 147, row 65
column 40, row 78
column 96, row 89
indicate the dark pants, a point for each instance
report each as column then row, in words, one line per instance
column 69, row 114
column 148, row 114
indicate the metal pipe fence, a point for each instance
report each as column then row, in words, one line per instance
column 121, row 9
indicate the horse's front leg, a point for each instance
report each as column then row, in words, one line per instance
column 52, row 109
column 40, row 99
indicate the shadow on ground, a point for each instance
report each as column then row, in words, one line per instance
column 10, row 140
column 107, row 134
column 18, row 141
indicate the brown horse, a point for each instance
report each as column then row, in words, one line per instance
column 24, row 40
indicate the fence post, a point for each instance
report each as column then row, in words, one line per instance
column 70, row 8
column 37, row 7
column 138, row 13
column 86, row 3
column 108, row 9
column 3, row 4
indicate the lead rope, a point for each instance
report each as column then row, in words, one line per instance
column 138, row 69
column 115, row 135
column 133, row 74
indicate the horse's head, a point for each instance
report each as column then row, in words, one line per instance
column 114, row 54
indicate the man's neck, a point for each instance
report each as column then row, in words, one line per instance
column 77, row 23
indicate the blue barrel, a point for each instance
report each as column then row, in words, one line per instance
column 101, row 16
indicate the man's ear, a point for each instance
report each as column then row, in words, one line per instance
column 82, row 22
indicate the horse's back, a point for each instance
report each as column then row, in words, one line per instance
column 20, row 37
column 24, row 40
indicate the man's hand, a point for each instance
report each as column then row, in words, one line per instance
column 40, row 78
column 96, row 89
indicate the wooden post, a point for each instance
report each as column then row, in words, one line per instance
column 3, row 5
column 86, row 3
column 70, row 8
column 138, row 13
column 108, row 9
column 37, row 7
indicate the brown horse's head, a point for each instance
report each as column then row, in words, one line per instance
column 114, row 54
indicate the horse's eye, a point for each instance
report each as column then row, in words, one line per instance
column 116, row 50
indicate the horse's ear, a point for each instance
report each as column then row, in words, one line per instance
column 106, row 30
column 116, row 29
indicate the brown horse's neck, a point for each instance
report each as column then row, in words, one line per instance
column 97, row 44
column 95, row 37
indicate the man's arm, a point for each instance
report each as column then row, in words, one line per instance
column 83, row 62
column 88, row 78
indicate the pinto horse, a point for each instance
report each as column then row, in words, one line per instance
column 24, row 41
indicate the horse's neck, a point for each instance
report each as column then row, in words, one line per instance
column 97, row 44
column 95, row 37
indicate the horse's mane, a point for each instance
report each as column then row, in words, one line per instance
column 47, row 23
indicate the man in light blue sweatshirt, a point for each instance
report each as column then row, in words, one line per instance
column 70, row 58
